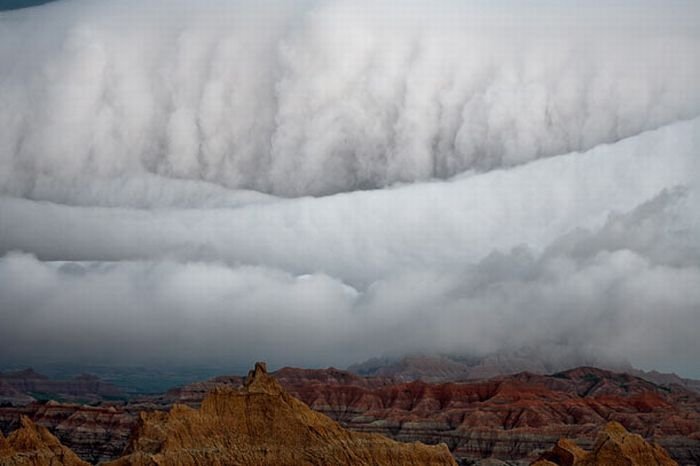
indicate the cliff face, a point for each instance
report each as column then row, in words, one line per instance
column 261, row 424
column 33, row 445
column 614, row 446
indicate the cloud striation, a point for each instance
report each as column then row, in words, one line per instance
column 320, row 182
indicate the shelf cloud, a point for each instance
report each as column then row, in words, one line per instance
column 320, row 182
column 315, row 98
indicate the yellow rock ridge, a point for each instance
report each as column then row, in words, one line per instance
column 260, row 424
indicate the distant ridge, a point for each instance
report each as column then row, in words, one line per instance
column 447, row 368
column 24, row 386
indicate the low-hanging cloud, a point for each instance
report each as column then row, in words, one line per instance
column 584, row 293
column 162, row 166
column 363, row 236
column 579, row 253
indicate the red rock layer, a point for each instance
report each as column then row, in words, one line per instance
column 514, row 417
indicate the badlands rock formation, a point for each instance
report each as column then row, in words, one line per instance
column 95, row 433
column 261, row 424
column 512, row 418
column 33, row 445
column 614, row 446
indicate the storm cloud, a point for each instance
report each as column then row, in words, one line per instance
column 323, row 182
column 330, row 96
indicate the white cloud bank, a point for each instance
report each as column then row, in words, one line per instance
column 327, row 96
column 128, row 128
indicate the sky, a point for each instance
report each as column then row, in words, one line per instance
column 317, row 183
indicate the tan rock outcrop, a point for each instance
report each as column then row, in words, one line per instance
column 262, row 424
column 564, row 453
column 614, row 446
column 33, row 445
